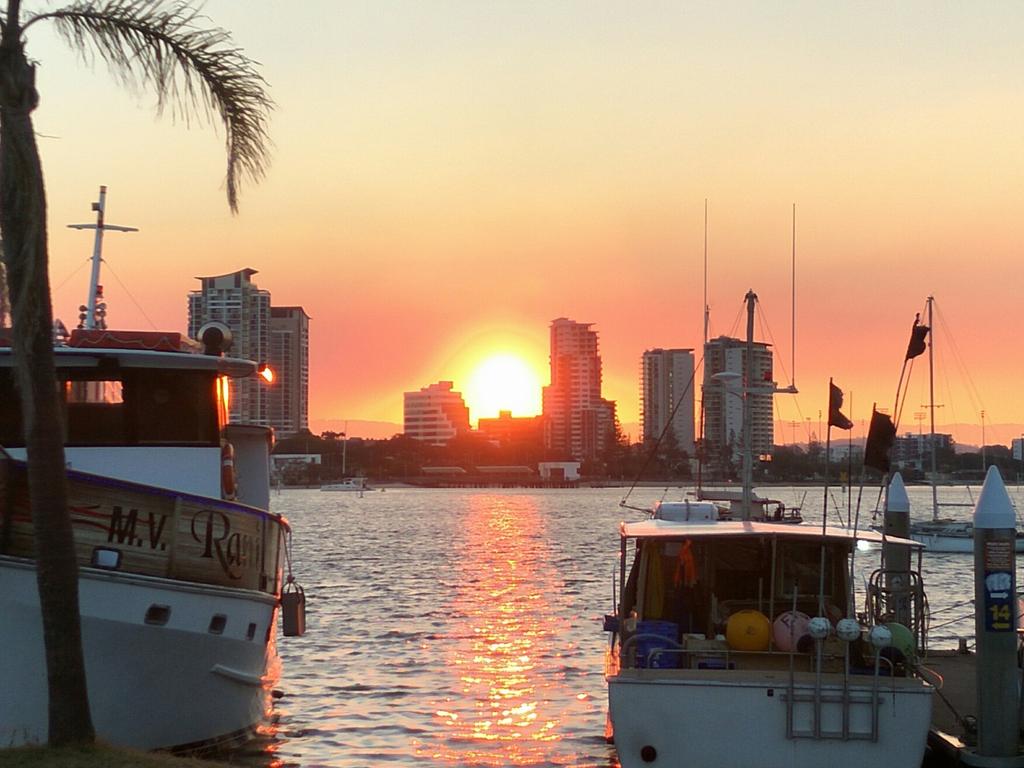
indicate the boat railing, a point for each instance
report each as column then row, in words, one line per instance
column 887, row 588
column 669, row 654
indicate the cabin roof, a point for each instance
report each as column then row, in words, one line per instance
column 72, row 357
column 666, row 529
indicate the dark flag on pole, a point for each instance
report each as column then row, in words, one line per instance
column 917, row 336
column 835, row 402
column 881, row 436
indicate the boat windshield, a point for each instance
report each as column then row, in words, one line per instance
column 698, row 584
column 131, row 406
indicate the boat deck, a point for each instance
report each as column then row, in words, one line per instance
column 955, row 708
column 957, row 697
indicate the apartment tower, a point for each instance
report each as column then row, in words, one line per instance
column 666, row 395
column 578, row 422
column 435, row 414
column 289, row 359
column 234, row 300
column 724, row 401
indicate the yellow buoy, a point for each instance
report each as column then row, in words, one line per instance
column 748, row 630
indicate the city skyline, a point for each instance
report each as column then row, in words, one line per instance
column 445, row 180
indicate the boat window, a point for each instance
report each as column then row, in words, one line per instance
column 742, row 569
column 140, row 406
column 799, row 571
column 173, row 406
column 10, row 411
column 157, row 614
column 94, row 410
column 673, row 585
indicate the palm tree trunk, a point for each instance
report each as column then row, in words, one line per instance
column 23, row 226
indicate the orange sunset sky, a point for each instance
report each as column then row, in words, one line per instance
column 448, row 177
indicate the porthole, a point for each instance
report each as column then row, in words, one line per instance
column 217, row 624
column 157, row 615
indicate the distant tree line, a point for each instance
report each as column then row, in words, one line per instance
column 400, row 457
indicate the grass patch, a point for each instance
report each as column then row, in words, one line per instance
column 94, row 757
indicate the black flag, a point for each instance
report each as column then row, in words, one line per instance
column 917, row 337
column 835, row 402
column 881, row 436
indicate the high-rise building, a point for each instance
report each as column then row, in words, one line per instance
column 234, row 300
column 578, row 422
column 276, row 336
column 666, row 395
column 724, row 400
column 435, row 414
column 289, row 359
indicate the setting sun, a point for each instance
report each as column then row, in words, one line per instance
column 503, row 382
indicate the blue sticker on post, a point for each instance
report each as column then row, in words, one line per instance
column 999, row 601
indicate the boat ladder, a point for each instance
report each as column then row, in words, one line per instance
column 830, row 713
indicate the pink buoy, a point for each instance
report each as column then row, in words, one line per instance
column 788, row 628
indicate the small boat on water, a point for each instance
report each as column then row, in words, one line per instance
column 181, row 561
column 730, row 506
column 350, row 484
column 734, row 641
column 712, row 624
column 357, row 484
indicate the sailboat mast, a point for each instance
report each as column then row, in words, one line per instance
column 748, row 447
column 931, row 404
column 703, row 351
column 706, row 310
column 792, row 304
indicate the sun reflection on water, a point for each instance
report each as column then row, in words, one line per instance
column 505, row 652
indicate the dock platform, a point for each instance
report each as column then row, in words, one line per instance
column 955, row 706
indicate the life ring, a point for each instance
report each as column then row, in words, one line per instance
column 228, row 484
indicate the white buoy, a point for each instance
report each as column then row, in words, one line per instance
column 848, row 630
column 995, row 627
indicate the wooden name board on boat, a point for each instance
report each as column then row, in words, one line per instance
column 157, row 532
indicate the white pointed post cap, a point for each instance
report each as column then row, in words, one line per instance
column 994, row 509
column 897, row 501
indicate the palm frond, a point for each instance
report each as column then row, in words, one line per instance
column 193, row 71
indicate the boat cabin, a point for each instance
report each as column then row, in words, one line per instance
column 690, row 580
column 146, row 407
column 697, row 576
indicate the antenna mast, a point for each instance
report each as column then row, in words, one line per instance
column 792, row 320
column 89, row 318
column 706, row 309
column 703, row 351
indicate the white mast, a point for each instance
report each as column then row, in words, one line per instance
column 707, row 310
column 931, row 405
column 89, row 310
column 748, row 385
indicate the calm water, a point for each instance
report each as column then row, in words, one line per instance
column 463, row 628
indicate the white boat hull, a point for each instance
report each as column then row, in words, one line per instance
column 738, row 719
column 179, row 685
column 352, row 484
column 938, row 542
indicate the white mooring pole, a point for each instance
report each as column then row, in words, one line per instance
column 995, row 627
column 897, row 556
